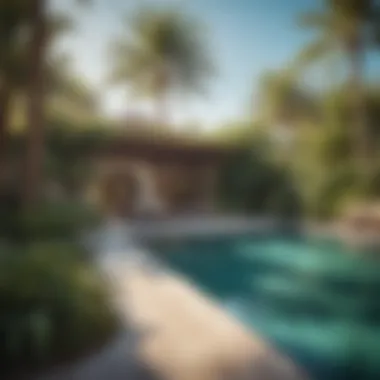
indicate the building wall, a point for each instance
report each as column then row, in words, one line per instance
column 180, row 187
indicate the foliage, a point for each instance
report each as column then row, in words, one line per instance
column 64, row 220
column 322, row 159
column 284, row 100
column 166, row 52
column 69, row 152
column 352, row 28
column 14, row 42
column 53, row 306
column 162, row 40
column 58, row 219
column 340, row 27
column 250, row 182
column 320, row 164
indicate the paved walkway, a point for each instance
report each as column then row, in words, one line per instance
column 172, row 331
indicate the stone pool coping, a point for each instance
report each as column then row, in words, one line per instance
column 194, row 226
column 204, row 226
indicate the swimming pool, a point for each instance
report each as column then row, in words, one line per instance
column 310, row 297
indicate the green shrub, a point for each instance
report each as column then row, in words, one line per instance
column 9, row 208
column 250, row 182
column 57, row 220
column 54, row 306
column 49, row 221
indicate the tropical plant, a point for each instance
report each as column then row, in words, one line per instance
column 12, row 17
column 251, row 182
column 283, row 100
column 15, row 64
column 54, row 307
column 64, row 220
column 350, row 27
column 165, row 52
column 38, row 20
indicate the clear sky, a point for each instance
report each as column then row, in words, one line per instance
column 246, row 38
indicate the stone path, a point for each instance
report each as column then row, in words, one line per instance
column 172, row 331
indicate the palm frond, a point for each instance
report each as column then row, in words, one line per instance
column 164, row 43
column 375, row 25
column 314, row 20
column 313, row 52
column 130, row 62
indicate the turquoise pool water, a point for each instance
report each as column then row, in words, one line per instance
column 313, row 299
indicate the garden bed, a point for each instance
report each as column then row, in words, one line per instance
column 55, row 302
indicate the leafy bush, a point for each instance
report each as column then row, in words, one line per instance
column 9, row 206
column 63, row 219
column 249, row 182
column 53, row 306
column 59, row 220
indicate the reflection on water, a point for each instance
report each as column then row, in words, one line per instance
column 313, row 299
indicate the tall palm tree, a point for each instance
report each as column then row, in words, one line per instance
column 39, row 21
column 349, row 27
column 14, row 67
column 12, row 17
column 34, row 152
column 283, row 100
column 164, row 53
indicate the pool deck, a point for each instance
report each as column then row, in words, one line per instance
column 190, row 338
column 172, row 331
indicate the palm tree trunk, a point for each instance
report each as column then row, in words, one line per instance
column 35, row 132
column 5, row 101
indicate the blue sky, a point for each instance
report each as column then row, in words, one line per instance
column 246, row 38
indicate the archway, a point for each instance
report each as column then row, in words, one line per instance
column 128, row 190
column 118, row 191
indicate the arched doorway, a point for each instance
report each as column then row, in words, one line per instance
column 118, row 193
column 129, row 190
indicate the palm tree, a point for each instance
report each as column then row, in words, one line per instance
column 12, row 17
column 349, row 27
column 283, row 100
column 164, row 53
column 34, row 153
column 39, row 22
